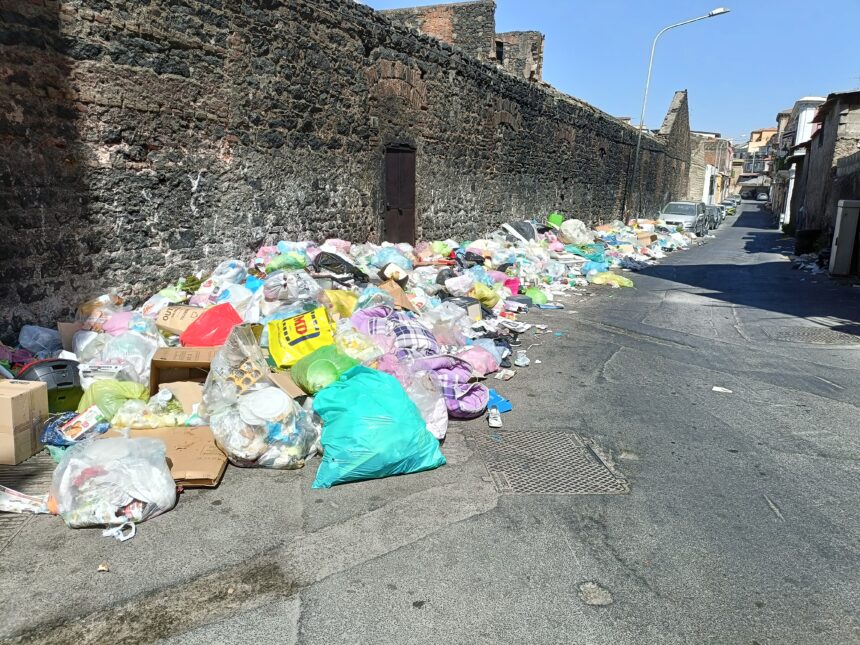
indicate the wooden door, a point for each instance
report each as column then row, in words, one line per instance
column 398, row 219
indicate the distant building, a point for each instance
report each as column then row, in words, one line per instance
column 710, row 167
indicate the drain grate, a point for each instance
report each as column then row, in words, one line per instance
column 544, row 462
column 32, row 477
column 813, row 336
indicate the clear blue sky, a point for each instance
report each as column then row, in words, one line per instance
column 740, row 68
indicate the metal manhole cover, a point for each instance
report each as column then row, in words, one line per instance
column 32, row 477
column 813, row 336
column 549, row 463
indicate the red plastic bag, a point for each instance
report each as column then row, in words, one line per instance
column 212, row 327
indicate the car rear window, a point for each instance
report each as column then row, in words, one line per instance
column 679, row 208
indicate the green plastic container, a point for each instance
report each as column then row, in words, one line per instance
column 321, row 368
column 555, row 220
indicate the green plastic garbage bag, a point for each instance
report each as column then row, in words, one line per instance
column 109, row 395
column 538, row 297
column 371, row 429
column 320, row 368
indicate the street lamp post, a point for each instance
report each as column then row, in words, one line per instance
column 716, row 12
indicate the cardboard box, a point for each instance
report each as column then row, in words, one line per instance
column 175, row 320
column 180, row 364
column 23, row 411
column 188, row 393
column 401, row 300
column 284, row 381
column 646, row 239
column 67, row 334
column 194, row 459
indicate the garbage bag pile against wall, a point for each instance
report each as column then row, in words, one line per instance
column 390, row 340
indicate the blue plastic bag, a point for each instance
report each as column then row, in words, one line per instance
column 371, row 429
column 390, row 255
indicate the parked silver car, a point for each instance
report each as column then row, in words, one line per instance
column 690, row 216
column 762, row 197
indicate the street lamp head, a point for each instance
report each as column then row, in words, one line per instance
column 718, row 12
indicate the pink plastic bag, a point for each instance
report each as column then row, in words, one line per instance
column 513, row 284
column 482, row 361
column 212, row 327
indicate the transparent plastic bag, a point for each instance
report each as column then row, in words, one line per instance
column 357, row 345
column 161, row 411
column 426, row 394
column 255, row 423
column 43, row 342
column 94, row 313
column 111, row 482
column 290, row 286
column 135, row 349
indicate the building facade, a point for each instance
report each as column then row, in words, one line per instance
column 794, row 128
column 828, row 171
column 710, row 167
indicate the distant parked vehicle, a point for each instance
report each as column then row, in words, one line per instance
column 736, row 199
column 729, row 205
column 762, row 197
column 715, row 216
column 688, row 216
column 747, row 194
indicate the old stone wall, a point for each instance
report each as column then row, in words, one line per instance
column 145, row 140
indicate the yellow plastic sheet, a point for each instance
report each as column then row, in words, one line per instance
column 611, row 279
column 342, row 302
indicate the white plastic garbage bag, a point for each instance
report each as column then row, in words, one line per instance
column 574, row 231
column 111, row 482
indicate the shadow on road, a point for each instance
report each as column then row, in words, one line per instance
column 766, row 285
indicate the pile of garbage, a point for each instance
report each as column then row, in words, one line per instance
column 360, row 353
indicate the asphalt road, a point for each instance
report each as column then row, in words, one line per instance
column 741, row 524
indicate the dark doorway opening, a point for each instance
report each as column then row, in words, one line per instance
column 398, row 219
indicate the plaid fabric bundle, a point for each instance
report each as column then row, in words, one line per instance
column 411, row 338
column 464, row 400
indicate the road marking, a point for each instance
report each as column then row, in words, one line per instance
column 774, row 508
column 838, row 387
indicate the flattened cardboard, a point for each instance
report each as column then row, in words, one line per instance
column 23, row 411
column 401, row 300
column 192, row 456
column 188, row 393
column 67, row 334
column 172, row 364
column 176, row 319
column 284, row 381
column 646, row 239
